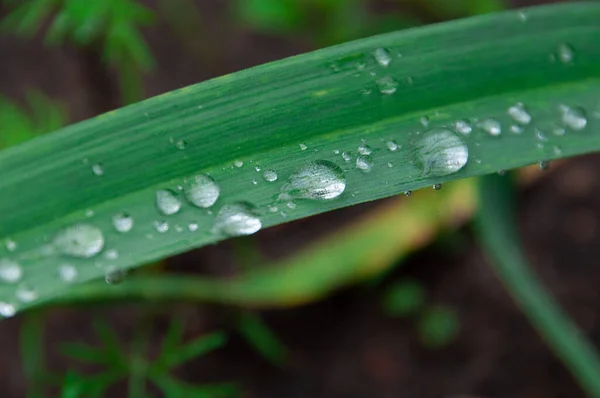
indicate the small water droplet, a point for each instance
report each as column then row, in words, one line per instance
column 167, row 202
column 161, row 226
column 291, row 205
column 408, row 193
column 364, row 149
column 519, row 114
column 424, row 120
column 463, row 126
column 336, row 151
column 346, row 156
column 364, row 163
column 437, row 187
column 114, row 276
column 79, row 240
column 565, row 53
column 303, row 147
column 67, row 273
column 10, row 271
column 544, row 165
column 390, row 165
column 26, row 294
column 201, row 191
column 257, row 168
column 254, row 181
column 501, row 172
column 238, row 163
column 237, row 219
column 89, row 213
column 441, row 152
column 387, row 85
column 11, row 245
column 573, row 117
column 392, row 145
column 319, row 180
column 181, row 145
column 410, row 80
column 270, row 175
column 192, row 227
column 97, row 169
column 123, row 222
column 559, row 131
column 178, row 228
column 491, row 126
column 557, row 150
column 522, row 16
column 111, row 254
column 7, row 310
column 382, row 56
column 273, row 209
column 516, row 129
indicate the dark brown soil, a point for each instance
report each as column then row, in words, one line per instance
column 343, row 346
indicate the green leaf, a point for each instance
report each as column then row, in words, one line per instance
column 496, row 224
column 173, row 388
column 438, row 326
column 196, row 348
column 262, row 338
column 327, row 101
column 270, row 15
column 404, row 298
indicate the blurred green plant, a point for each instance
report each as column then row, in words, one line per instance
column 404, row 298
column 120, row 363
column 438, row 326
column 109, row 26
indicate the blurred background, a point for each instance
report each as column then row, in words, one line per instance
column 427, row 319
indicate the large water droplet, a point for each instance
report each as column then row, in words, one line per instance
column 364, row 163
column 270, row 175
column 491, row 126
column 319, row 180
column 67, row 273
column 573, row 117
column 10, row 271
column 382, row 56
column 7, row 310
column 441, row 152
column 167, row 202
column 519, row 114
column 79, row 240
column 26, row 294
column 387, row 85
column 237, row 219
column 565, row 53
column 123, row 222
column 201, row 191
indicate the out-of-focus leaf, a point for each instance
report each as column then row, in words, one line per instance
column 438, row 326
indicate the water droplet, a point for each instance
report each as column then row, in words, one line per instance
column 346, row 156
column 522, row 16
column 544, row 165
column 441, row 152
column 573, row 117
column 318, row 180
column 491, row 126
column 463, row 126
column 7, row 310
column 123, row 222
column 516, row 129
column 392, row 145
column 540, row 136
column 89, row 213
column 111, row 254
column 557, row 150
column 257, row 168
column 364, row 163
column 201, row 191
column 408, row 193
column 193, row 227
column 237, row 219
column 98, row 170
column 559, row 131
column 437, row 187
column 409, row 80
column 270, row 175
column 382, row 56
column 67, row 273
column 26, row 294
column 501, row 172
column 519, row 114
column 114, row 276
column 303, row 147
column 167, row 202
column 336, row 151
column 79, row 240
column 291, row 205
column 565, row 53
column 238, row 163
column 273, row 209
column 11, row 245
column 181, row 145
column 254, row 181
column 390, row 165
column 364, row 149
column 424, row 120
column 387, row 85
column 161, row 226
column 10, row 271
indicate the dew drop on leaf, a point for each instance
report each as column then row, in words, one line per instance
column 392, row 145
column 382, row 56
column 463, row 126
column 364, row 163
column 161, row 226
column 238, row 163
column 26, row 294
column 201, row 191
column 491, row 126
column 10, row 271
column 440, row 152
column 7, row 310
column 167, row 202
column 319, row 180
column 437, row 187
column 67, row 273
column 573, row 117
column 97, row 170
column 123, row 222
column 346, row 156
column 364, row 149
column 565, row 53
column 79, row 240
column 519, row 114
column 387, row 85
column 114, row 276
column 270, row 175
column 11, row 245
column 237, row 219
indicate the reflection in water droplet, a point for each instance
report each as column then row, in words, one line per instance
column 319, row 180
column 79, row 240
column 98, row 170
column 201, row 191
column 123, row 222
column 364, row 149
column 565, row 53
column 573, row 117
column 491, row 126
column 519, row 114
column 441, row 152
column 392, row 145
column 238, row 163
column 7, row 310
column 437, row 187
column 67, row 273
column 463, row 126
column 237, row 219
column 382, row 56
column 346, row 156
column 11, row 245
column 26, row 294
column 270, row 175
column 10, row 271
column 387, row 85
column 167, row 202
column 364, row 163
column 161, row 226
